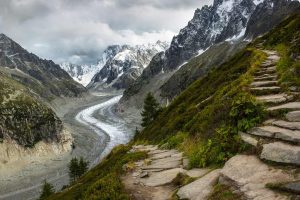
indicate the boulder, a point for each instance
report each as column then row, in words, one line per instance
column 162, row 178
column 248, row 176
column 281, row 152
column 293, row 116
column 201, row 188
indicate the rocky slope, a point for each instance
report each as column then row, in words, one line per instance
column 125, row 64
column 44, row 77
column 225, row 20
column 23, row 118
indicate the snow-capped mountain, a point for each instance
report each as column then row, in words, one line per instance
column 224, row 20
column 126, row 65
column 81, row 73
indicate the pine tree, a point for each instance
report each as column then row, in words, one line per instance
column 48, row 190
column 83, row 166
column 73, row 169
column 151, row 108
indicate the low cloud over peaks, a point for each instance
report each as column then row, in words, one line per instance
column 79, row 30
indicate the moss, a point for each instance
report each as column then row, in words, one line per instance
column 223, row 192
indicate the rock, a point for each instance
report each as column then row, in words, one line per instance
column 165, row 163
column 263, row 83
column 185, row 163
column 277, row 98
column 276, row 132
column 164, row 154
column 157, row 151
column 265, row 78
column 288, row 125
column 196, row 172
column 281, row 153
column 248, row 139
column 292, row 106
column 162, row 178
column 293, row 187
column 248, row 175
column 201, row 188
column 293, row 116
column 144, row 174
column 265, row 90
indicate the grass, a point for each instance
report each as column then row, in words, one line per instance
column 103, row 181
column 223, row 192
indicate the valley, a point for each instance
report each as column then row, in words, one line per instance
column 96, row 129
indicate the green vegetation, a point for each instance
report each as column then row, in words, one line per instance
column 103, row 181
column 47, row 191
column 222, row 192
column 150, row 111
column 205, row 119
column 77, row 168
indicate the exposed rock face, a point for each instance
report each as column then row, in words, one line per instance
column 23, row 118
column 44, row 77
column 268, row 14
column 125, row 64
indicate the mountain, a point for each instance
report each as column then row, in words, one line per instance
column 43, row 77
column 125, row 64
column 82, row 74
column 225, row 20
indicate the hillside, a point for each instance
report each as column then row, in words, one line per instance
column 225, row 20
column 205, row 120
column 23, row 118
column 44, row 77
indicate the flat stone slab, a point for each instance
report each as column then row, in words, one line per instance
column 274, row 98
column 249, row 175
column 162, row 178
column 201, row 188
column 288, row 125
column 144, row 147
column 197, row 172
column 293, row 116
column 263, row 83
column 291, row 105
column 164, row 164
column 248, row 139
column 164, row 155
column 276, row 133
column 282, row 153
column 265, row 90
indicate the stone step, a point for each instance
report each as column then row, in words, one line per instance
column 288, row 106
column 275, row 132
column 265, row 90
column 275, row 98
column 201, row 188
column 293, row 116
column 288, row 125
column 261, row 73
column 249, row 176
column 265, row 78
column 267, row 69
column 249, row 139
column 281, row 152
column 264, row 83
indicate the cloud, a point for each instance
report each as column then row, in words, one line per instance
column 78, row 31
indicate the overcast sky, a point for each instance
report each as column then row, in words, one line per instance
column 79, row 30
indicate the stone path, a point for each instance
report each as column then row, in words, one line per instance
column 154, row 178
column 277, row 141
